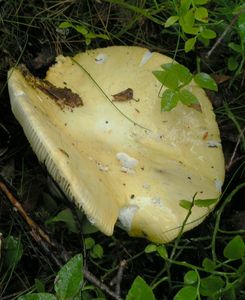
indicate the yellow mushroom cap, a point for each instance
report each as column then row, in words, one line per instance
column 116, row 157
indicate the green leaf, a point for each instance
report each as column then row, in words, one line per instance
column 211, row 285
column 162, row 251
column 208, row 264
column 205, row 202
column 69, row 279
column 97, row 251
column 200, row 2
column 65, row 25
column 186, row 97
column 187, row 292
column 168, row 100
column 208, row 34
column 235, row 47
column 187, row 22
column 167, row 78
column 241, row 269
column 40, row 287
column 140, row 290
column 185, row 5
column 81, row 29
column 190, row 277
column 38, row 296
column 13, row 251
column 189, row 44
column 185, row 204
column 181, row 74
column 241, row 25
column 232, row 63
column 201, row 14
column 67, row 217
column 87, row 227
column 89, row 243
column 150, row 248
column 235, row 249
column 171, row 20
column 206, row 81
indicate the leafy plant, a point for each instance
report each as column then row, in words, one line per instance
column 192, row 18
column 68, row 282
column 175, row 77
column 237, row 60
column 214, row 279
column 95, row 250
column 83, row 30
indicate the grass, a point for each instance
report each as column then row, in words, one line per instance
column 30, row 35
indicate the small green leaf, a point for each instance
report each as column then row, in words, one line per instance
column 65, row 25
column 185, row 5
column 38, row 296
column 180, row 73
column 171, row 20
column 97, row 251
column 40, row 287
column 186, row 97
column 187, row 292
column 241, row 25
column 168, row 100
column 67, row 217
column 188, row 19
column 200, row 2
column 185, row 204
column 205, row 202
column 69, row 279
column 190, row 277
column 201, row 14
column 232, row 63
column 208, row 34
column 206, row 81
column 13, row 251
column 162, row 251
column 211, row 285
column 189, row 44
column 235, row 47
column 167, row 78
column 87, row 227
column 208, row 264
column 235, row 249
column 140, row 290
column 81, row 29
column 241, row 269
column 150, row 248
column 89, row 243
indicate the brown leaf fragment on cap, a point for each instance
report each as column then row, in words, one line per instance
column 62, row 96
column 125, row 95
column 196, row 106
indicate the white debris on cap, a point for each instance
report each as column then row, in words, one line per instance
column 127, row 162
column 148, row 54
column 101, row 58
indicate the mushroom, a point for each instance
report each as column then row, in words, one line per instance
column 122, row 160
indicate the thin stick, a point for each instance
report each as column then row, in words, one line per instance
column 49, row 246
column 219, row 40
column 36, row 231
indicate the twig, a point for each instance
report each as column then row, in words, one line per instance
column 50, row 247
column 36, row 232
column 91, row 278
column 119, row 277
column 232, row 160
column 219, row 40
